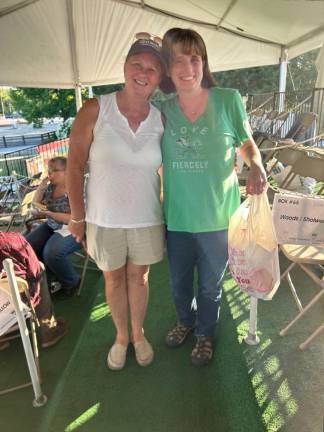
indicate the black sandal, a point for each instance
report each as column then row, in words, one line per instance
column 203, row 351
column 177, row 335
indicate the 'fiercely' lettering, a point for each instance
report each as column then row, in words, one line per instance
column 197, row 165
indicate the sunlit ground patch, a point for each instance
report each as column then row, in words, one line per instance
column 83, row 418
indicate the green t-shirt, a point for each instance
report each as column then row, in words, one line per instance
column 200, row 183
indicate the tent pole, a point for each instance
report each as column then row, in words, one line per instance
column 283, row 64
column 252, row 337
column 78, row 97
column 74, row 57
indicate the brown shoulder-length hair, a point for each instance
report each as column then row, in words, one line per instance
column 190, row 42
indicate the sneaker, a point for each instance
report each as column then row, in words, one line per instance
column 52, row 332
column 117, row 357
column 55, row 287
column 143, row 352
column 67, row 291
column 177, row 335
column 203, row 351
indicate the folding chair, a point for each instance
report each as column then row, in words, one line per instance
column 296, row 132
column 307, row 164
column 301, row 126
column 88, row 264
column 274, row 132
column 266, row 142
column 256, row 118
column 309, row 258
column 303, row 164
column 21, row 213
column 12, row 286
column 306, row 257
column 270, row 121
column 279, row 124
column 287, row 156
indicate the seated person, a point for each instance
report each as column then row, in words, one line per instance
column 51, row 240
column 26, row 265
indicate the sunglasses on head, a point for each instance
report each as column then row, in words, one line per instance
column 149, row 36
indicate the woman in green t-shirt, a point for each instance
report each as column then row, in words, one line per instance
column 204, row 125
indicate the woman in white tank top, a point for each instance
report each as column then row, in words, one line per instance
column 118, row 137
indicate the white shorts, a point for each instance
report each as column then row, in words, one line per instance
column 111, row 248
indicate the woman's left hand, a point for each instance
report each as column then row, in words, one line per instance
column 48, row 214
column 58, row 216
column 257, row 180
column 78, row 232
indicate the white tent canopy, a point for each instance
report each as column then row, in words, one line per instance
column 64, row 43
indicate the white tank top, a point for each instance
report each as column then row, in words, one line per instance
column 123, row 188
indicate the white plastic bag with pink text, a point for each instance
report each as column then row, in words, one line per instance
column 253, row 248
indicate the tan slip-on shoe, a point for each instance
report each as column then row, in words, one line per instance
column 117, row 357
column 143, row 352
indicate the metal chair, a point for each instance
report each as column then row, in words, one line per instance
column 16, row 199
column 288, row 157
column 256, row 118
column 11, row 287
column 301, row 126
column 309, row 258
column 305, row 165
column 88, row 264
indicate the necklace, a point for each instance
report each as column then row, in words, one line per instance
column 189, row 110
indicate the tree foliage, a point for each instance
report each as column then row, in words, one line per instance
column 301, row 76
column 100, row 90
column 36, row 103
column 302, row 72
column 5, row 105
column 250, row 80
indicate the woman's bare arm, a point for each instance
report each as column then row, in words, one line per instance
column 257, row 177
column 80, row 142
column 39, row 193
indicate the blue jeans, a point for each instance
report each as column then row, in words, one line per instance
column 207, row 251
column 54, row 250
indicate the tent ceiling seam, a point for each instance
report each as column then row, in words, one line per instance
column 229, row 8
column 17, row 7
column 306, row 36
column 69, row 7
column 198, row 22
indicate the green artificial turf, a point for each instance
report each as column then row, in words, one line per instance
column 169, row 395
column 269, row 387
column 288, row 383
column 16, row 411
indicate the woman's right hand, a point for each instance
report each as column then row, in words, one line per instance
column 43, row 184
column 77, row 230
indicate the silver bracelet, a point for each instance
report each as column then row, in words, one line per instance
column 75, row 221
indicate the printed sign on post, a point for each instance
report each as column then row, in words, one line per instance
column 298, row 219
column 7, row 313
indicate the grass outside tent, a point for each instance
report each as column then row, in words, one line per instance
column 270, row 387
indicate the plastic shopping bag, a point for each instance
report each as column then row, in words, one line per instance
column 253, row 248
